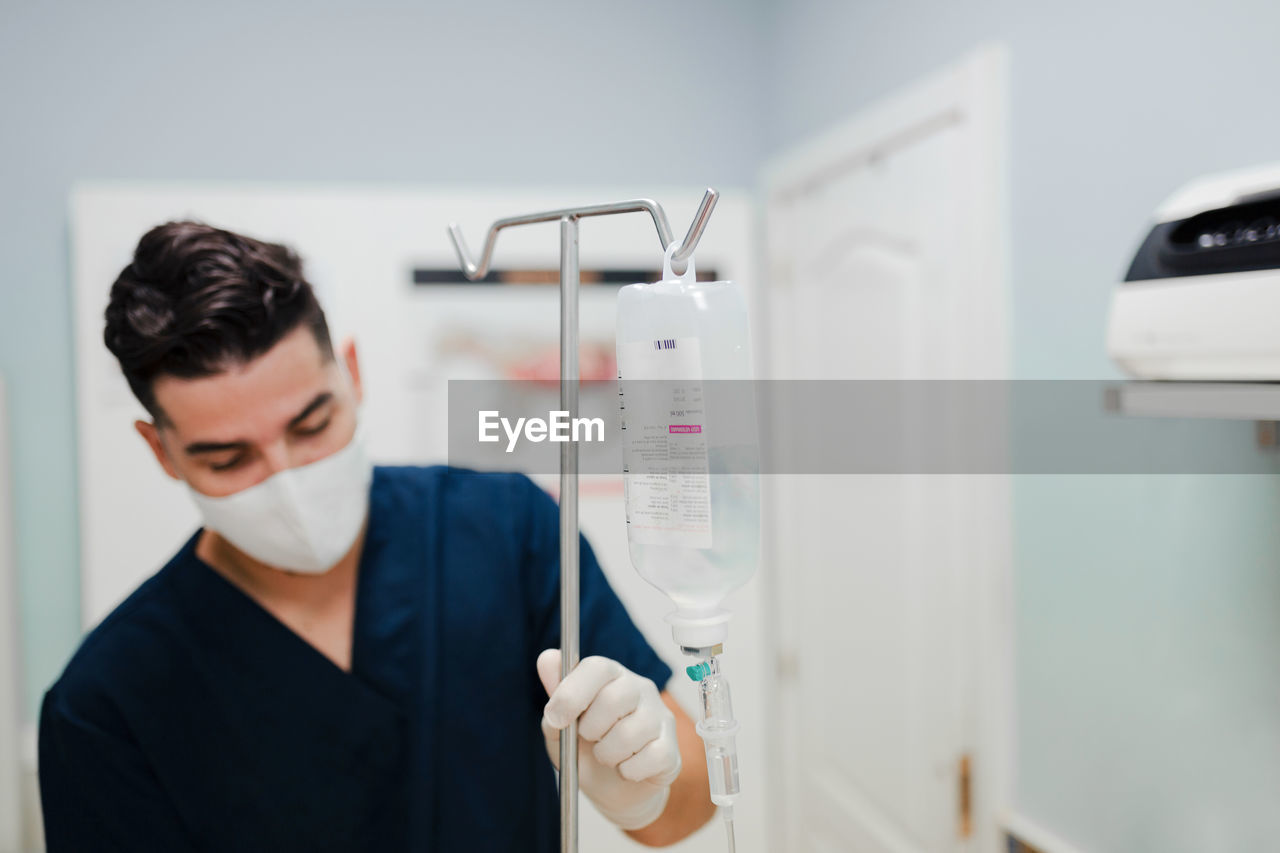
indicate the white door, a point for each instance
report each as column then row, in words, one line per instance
column 885, row 259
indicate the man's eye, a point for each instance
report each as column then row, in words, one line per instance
column 314, row 430
column 229, row 464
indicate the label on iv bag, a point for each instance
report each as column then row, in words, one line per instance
column 665, row 471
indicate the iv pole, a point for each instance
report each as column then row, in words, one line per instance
column 569, row 283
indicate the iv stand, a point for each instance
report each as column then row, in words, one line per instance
column 569, row 282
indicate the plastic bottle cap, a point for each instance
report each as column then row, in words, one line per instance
column 699, row 631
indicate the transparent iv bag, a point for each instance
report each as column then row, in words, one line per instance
column 690, row 450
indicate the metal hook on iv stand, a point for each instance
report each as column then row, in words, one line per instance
column 569, row 283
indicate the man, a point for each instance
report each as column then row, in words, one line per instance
column 342, row 658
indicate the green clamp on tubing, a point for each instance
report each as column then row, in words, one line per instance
column 698, row 671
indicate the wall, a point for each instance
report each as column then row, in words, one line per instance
column 481, row 93
column 1148, row 609
column 10, row 799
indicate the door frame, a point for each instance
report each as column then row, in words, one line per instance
column 971, row 92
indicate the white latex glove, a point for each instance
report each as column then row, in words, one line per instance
column 627, row 750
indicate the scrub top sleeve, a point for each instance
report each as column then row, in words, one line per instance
column 606, row 627
column 97, row 792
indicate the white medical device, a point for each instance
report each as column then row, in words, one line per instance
column 1201, row 299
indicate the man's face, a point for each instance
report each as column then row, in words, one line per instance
column 286, row 408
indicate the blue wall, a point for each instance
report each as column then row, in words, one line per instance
column 1148, row 608
column 478, row 93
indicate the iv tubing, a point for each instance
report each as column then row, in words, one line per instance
column 718, row 729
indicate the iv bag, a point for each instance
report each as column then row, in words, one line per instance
column 690, row 449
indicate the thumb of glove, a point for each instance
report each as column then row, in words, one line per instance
column 548, row 667
column 549, row 670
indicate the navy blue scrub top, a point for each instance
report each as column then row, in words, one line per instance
column 192, row 720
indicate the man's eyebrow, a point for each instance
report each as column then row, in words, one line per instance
column 214, row 446
column 321, row 399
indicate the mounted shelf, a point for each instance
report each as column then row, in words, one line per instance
column 1236, row 401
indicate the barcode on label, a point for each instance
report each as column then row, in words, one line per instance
column 665, row 343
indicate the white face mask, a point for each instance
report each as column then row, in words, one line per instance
column 301, row 520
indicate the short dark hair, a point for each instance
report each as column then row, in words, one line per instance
column 197, row 300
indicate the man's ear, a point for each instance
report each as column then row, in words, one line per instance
column 348, row 355
column 151, row 434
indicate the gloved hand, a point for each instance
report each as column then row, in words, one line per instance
column 627, row 750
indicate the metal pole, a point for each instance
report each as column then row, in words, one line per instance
column 569, row 280
column 569, row 524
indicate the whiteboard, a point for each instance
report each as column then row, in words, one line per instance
column 360, row 245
